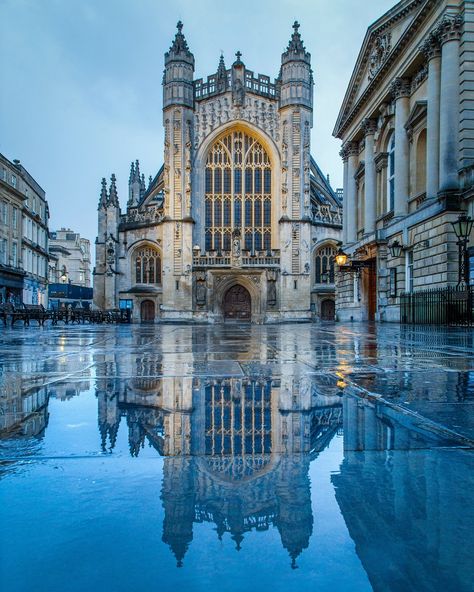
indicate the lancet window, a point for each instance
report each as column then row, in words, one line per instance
column 324, row 265
column 238, row 194
column 147, row 264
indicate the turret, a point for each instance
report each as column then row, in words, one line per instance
column 179, row 72
column 103, row 195
column 296, row 77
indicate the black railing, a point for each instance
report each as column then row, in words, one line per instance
column 453, row 305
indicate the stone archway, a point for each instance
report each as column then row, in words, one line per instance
column 237, row 304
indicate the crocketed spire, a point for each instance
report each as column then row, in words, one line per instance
column 132, row 174
column 113, row 196
column 295, row 49
column 103, row 194
column 179, row 48
column 221, row 76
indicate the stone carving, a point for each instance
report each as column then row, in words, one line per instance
column 214, row 112
column 419, row 77
column 369, row 126
column 150, row 215
column 324, row 214
column 380, row 50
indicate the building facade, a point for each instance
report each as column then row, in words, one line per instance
column 239, row 222
column 72, row 258
column 407, row 126
column 24, row 219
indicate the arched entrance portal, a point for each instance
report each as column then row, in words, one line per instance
column 147, row 311
column 328, row 310
column 237, row 304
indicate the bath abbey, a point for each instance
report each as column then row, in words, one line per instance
column 239, row 223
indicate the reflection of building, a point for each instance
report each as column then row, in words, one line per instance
column 237, row 449
column 23, row 408
column 23, row 236
column 407, row 129
column 404, row 503
column 239, row 222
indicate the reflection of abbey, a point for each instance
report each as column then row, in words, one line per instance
column 239, row 222
column 237, row 450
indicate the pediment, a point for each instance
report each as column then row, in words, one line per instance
column 383, row 42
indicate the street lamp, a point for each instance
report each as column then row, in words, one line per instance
column 396, row 249
column 462, row 228
column 341, row 257
column 196, row 250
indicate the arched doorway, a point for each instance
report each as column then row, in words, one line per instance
column 328, row 310
column 237, row 304
column 147, row 311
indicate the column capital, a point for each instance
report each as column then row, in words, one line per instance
column 400, row 87
column 431, row 47
column 343, row 153
column 350, row 149
column 448, row 28
column 368, row 126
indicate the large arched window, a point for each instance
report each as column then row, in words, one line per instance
column 324, row 265
column 391, row 174
column 147, row 265
column 238, row 189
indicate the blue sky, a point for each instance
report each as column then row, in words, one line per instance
column 81, row 93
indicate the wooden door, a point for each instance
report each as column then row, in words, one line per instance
column 328, row 310
column 147, row 311
column 237, row 304
column 372, row 291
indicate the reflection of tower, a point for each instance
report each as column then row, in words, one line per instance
column 295, row 518
column 178, row 499
column 108, row 413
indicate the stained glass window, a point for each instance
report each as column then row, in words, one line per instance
column 238, row 193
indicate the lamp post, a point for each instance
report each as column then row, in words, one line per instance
column 462, row 228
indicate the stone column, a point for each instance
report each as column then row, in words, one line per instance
column 351, row 214
column 448, row 32
column 344, row 155
column 369, row 127
column 432, row 52
column 401, row 94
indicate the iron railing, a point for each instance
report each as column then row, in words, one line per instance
column 453, row 305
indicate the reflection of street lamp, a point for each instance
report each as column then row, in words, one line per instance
column 462, row 227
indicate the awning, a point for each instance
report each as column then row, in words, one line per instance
column 10, row 280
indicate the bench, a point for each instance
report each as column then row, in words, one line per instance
column 35, row 312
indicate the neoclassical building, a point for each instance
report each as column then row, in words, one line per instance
column 407, row 126
column 239, row 222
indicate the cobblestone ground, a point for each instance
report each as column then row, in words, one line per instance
column 224, row 457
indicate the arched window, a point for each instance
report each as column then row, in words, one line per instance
column 147, row 265
column 391, row 174
column 324, row 265
column 421, row 162
column 238, row 189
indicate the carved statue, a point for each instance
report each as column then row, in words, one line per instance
column 271, row 295
column 238, row 93
column 201, row 293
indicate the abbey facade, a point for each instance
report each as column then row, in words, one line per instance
column 239, row 223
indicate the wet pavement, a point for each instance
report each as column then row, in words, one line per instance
column 328, row 457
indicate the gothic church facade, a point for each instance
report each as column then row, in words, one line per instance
column 239, row 223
